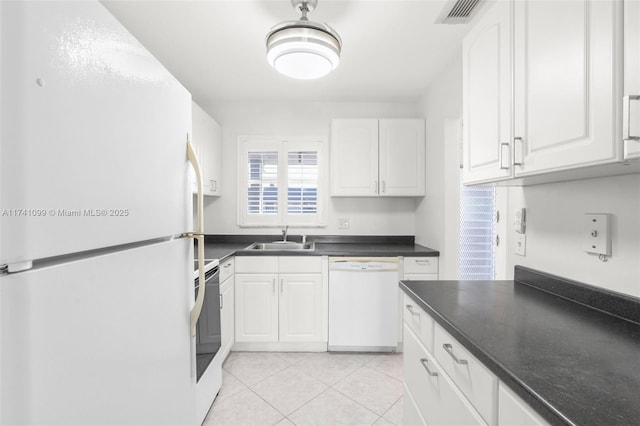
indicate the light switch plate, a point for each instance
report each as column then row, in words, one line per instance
column 520, row 245
column 597, row 233
column 343, row 223
column 519, row 221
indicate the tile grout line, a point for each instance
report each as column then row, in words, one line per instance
column 290, row 364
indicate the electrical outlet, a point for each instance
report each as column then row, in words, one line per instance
column 343, row 223
column 597, row 233
column 520, row 245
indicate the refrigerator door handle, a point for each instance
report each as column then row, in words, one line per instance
column 198, row 235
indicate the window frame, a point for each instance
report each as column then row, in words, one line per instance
column 281, row 145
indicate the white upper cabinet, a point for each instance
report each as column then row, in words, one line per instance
column 207, row 142
column 542, row 88
column 401, row 157
column 564, row 79
column 371, row 157
column 487, row 99
column 354, row 157
column 631, row 100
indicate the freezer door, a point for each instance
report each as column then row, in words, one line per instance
column 93, row 134
column 103, row 340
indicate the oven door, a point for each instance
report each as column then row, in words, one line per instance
column 208, row 336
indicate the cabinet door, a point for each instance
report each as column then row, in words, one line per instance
column 354, row 157
column 227, row 303
column 256, row 308
column 565, row 72
column 300, row 307
column 207, row 139
column 487, row 100
column 402, row 157
column 631, row 119
column 212, row 154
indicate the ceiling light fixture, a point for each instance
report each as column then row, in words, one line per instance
column 303, row 49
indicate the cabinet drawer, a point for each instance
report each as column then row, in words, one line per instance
column 300, row 264
column 418, row 321
column 438, row 400
column 227, row 269
column 256, row 264
column 420, row 265
column 477, row 383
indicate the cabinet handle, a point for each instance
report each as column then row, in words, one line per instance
column 515, row 151
column 410, row 309
column 626, row 118
column 221, row 301
column 422, row 261
column 502, row 156
column 214, row 185
column 384, row 186
column 281, row 285
column 447, row 347
column 425, row 364
column 273, row 286
column 226, row 265
column 198, row 235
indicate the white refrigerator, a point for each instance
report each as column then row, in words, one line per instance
column 96, row 287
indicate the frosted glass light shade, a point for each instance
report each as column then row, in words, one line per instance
column 303, row 49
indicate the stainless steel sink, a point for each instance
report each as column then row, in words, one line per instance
column 283, row 245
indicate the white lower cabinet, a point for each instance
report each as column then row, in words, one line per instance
column 410, row 414
column 300, row 308
column 437, row 398
column 420, row 268
column 513, row 411
column 280, row 303
column 256, row 308
column 446, row 385
column 227, row 307
column 419, row 322
column 473, row 379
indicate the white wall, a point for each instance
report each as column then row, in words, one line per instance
column 555, row 229
column 437, row 215
column 367, row 216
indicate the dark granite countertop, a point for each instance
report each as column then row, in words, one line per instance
column 221, row 247
column 572, row 363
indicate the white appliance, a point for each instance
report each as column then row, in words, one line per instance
column 363, row 304
column 96, row 290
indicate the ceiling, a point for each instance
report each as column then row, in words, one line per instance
column 391, row 52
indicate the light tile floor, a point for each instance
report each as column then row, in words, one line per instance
column 275, row 388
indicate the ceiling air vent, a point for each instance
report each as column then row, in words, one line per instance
column 458, row 12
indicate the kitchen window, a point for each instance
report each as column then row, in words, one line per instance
column 281, row 181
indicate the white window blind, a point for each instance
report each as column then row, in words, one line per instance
column 281, row 182
column 477, row 218
column 262, row 180
column 302, row 180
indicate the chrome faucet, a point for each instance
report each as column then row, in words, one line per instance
column 285, row 231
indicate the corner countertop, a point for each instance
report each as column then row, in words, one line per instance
column 356, row 246
column 573, row 364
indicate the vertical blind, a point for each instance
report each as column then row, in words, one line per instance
column 477, row 214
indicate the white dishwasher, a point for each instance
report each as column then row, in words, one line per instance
column 363, row 304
